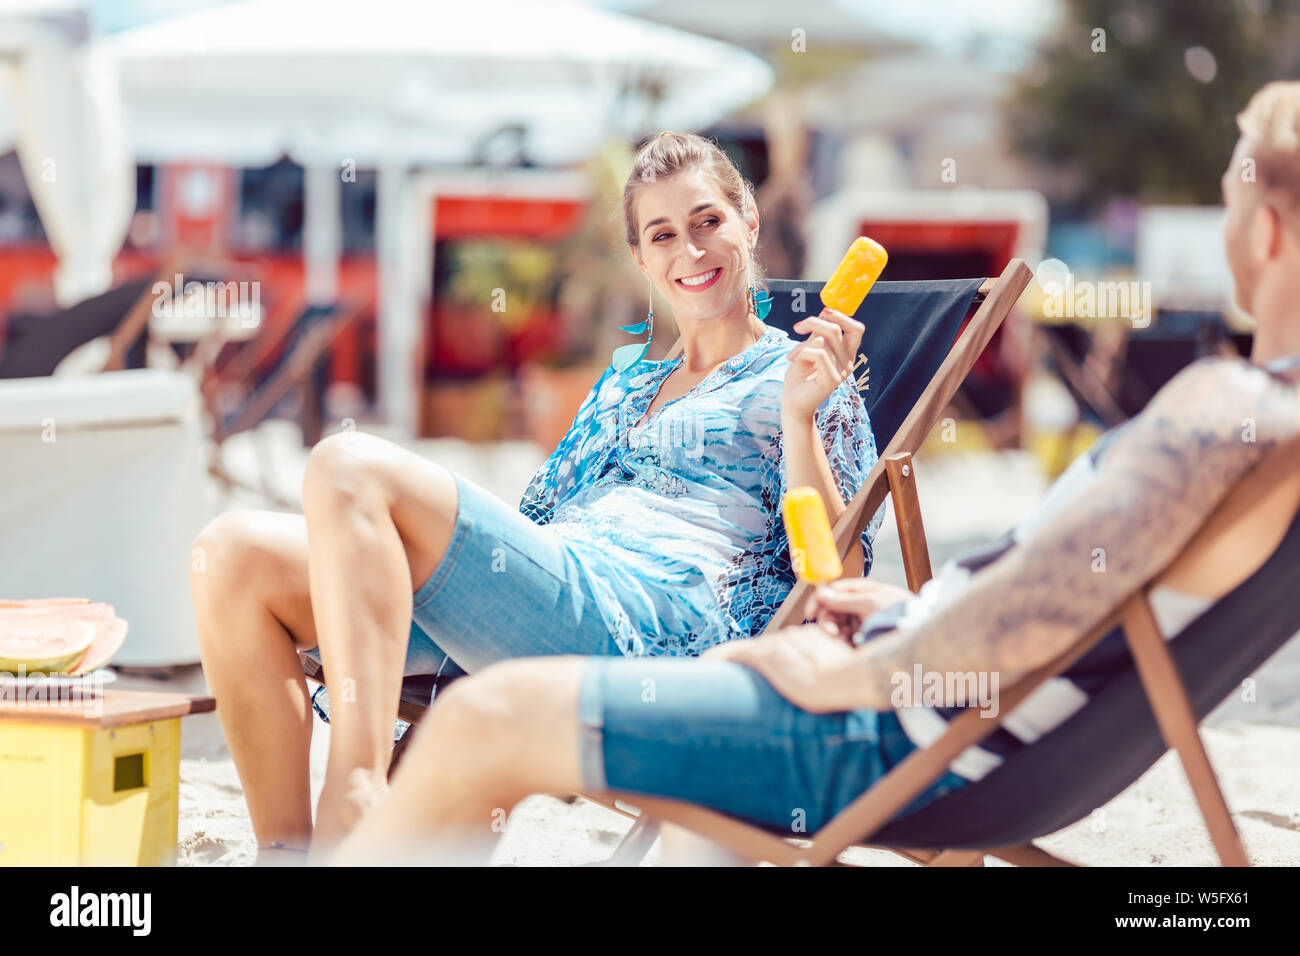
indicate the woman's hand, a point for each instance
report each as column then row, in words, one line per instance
column 841, row 606
column 819, row 364
column 808, row 666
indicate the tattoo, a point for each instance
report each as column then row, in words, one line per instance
column 1153, row 490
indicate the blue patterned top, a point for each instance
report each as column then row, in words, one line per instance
column 679, row 517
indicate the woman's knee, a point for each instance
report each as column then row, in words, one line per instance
column 352, row 475
column 346, row 467
column 234, row 556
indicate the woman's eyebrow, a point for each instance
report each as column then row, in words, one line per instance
column 663, row 219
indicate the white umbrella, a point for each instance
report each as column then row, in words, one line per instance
column 440, row 74
column 391, row 83
column 63, row 114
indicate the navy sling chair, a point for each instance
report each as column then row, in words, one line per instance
column 921, row 339
column 1153, row 703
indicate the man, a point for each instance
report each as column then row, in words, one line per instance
column 792, row 726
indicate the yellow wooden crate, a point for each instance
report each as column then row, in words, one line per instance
column 96, row 789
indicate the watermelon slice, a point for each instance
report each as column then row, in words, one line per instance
column 34, row 635
column 41, row 602
column 45, row 643
column 108, row 641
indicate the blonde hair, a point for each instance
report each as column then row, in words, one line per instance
column 671, row 153
column 1271, row 121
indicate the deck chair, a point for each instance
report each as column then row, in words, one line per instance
column 290, row 358
column 1152, row 706
column 34, row 344
column 920, row 341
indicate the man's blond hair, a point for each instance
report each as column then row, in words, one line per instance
column 1271, row 123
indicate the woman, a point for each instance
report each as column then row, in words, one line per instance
column 653, row 529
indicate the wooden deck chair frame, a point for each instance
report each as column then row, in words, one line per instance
column 136, row 320
column 296, row 372
column 892, row 475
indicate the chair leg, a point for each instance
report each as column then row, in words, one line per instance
column 900, row 472
column 958, row 858
column 399, row 749
column 1028, row 855
column 636, row 843
column 1177, row 720
column 920, row 857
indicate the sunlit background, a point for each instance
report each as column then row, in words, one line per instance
column 411, row 210
column 388, row 166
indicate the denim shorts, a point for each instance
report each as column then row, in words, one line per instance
column 716, row 733
column 506, row 587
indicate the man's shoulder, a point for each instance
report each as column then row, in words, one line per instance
column 1227, row 391
column 1216, row 378
column 1213, row 405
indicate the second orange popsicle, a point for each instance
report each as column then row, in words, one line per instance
column 812, row 545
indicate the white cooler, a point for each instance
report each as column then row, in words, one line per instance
column 103, row 486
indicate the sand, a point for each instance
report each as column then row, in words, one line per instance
column 966, row 499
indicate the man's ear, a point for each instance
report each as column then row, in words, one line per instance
column 1265, row 233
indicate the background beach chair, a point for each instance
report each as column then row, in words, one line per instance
column 918, row 347
column 291, row 359
column 286, row 359
column 1153, row 705
column 35, row 343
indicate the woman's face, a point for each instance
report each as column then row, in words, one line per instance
column 689, row 231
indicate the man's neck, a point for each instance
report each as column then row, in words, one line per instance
column 1275, row 340
column 1277, row 317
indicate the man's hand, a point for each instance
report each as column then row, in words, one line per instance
column 841, row 606
column 809, row 666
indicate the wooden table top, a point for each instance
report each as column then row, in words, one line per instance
column 105, row 709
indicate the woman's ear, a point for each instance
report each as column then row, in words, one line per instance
column 636, row 257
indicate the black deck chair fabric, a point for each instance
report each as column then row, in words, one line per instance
column 1092, row 757
column 910, row 326
column 35, row 343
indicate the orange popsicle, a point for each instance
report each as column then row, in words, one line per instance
column 854, row 276
column 812, row 546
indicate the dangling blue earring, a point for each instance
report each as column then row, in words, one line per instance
column 760, row 302
column 625, row 356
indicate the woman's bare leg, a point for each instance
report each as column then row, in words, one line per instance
column 248, row 582
column 379, row 519
column 251, row 588
column 494, row 738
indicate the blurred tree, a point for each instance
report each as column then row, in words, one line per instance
column 1139, row 97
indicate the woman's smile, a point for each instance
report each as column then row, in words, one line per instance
column 700, row 280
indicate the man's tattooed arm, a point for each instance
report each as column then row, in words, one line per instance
column 1156, row 486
